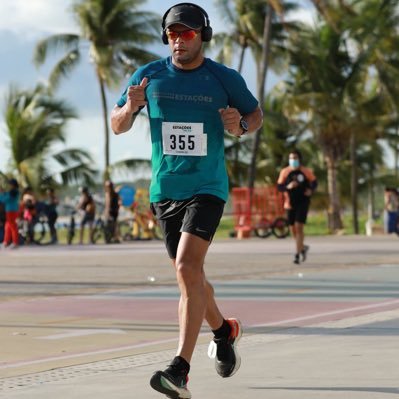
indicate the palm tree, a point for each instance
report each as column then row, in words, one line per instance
column 320, row 73
column 36, row 121
column 267, row 34
column 256, row 26
column 344, row 103
column 238, row 16
column 371, row 28
column 117, row 34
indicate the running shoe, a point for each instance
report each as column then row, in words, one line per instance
column 296, row 259
column 304, row 252
column 224, row 350
column 172, row 387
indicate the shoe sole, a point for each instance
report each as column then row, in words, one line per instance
column 161, row 383
column 236, row 354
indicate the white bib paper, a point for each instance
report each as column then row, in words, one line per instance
column 184, row 138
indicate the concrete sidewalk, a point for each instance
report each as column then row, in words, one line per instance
column 355, row 358
column 326, row 329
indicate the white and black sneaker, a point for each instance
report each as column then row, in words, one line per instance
column 224, row 350
column 173, row 387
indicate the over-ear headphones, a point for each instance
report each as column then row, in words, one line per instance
column 206, row 32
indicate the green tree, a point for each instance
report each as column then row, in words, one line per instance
column 320, row 72
column 371, row 29
column 256, row 25
column 117, row 34
column 269, row 50
column 35, row 122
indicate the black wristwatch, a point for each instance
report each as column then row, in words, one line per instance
column 244, row 126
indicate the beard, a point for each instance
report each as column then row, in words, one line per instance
column 187, row 57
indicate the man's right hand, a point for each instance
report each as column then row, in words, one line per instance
column 136, row 96
column 292, row 185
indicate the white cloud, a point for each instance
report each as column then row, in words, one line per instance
column 88, row 133
column 4, row 150
column 34, row 17
column 304, row 15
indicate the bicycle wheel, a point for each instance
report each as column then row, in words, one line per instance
column 98, row 231
column 280, row 227
column 70, row 230
column 41, row 234
column 125, row 228
column 109, row 229
column 70, row 236
column 263, row 228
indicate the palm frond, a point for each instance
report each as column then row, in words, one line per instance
column 55, row 44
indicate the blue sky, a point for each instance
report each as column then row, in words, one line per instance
column 23, row 23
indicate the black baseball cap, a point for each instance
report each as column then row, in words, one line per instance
column 186, row 15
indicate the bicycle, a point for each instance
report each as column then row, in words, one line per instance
column 104, row 229
column 36, row 231
column 278, row 227
column 71, row 227
column 144, row 228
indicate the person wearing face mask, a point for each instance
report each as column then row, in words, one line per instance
column 298, row 184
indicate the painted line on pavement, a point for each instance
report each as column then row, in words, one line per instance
column 379, row 305
column 331, row 313
column 81, row 333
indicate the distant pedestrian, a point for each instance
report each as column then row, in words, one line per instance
column 52, row 202
column 87, row 206
column 111, row 209
column 28, row 211
column 10, row 199
column 298, row 184
column 2, row 221
column 391, row 210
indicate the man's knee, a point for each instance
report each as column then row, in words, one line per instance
column 189, row 273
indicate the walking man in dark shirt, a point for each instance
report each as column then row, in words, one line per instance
column 298, row 184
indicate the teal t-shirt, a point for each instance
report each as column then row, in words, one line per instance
column 187, row 132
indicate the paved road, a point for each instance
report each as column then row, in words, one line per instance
column 77, row 319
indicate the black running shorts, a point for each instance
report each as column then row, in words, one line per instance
column 299, row 213
column 199, row 215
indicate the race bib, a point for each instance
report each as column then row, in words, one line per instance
column 187, row 139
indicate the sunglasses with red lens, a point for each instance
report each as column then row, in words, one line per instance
column 184, row 35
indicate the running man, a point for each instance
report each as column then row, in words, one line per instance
column 298, row 183
column 190, row 101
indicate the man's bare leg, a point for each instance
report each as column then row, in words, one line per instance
column 196, row 294
column 299, row 237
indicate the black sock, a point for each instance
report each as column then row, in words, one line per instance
column 178, row 367
column 223, row 331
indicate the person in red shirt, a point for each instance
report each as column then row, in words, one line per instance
column 298, row 184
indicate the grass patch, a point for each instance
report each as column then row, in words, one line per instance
column 316, row 225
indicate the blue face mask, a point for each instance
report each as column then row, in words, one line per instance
column 294, row 163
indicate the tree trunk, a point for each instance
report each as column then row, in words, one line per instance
column 106, row 129
column 237, row 146
column 261, row 83
column 241, row 60
column 334, row 208
column 396, row 152
column 355, row 219
column 372, row 196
